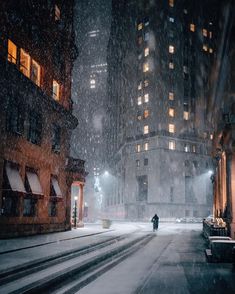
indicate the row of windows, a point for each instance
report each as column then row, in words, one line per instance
column 17, row 120
column 29, row 67
column 30, row 188
column 146, row 162
column 171, row 146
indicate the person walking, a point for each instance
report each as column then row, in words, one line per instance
column 155, row 220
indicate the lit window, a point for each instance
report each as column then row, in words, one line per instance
column 146, row 51
column 146, row 129
column 139, row 56
column 171, row 128
column 186, row 115
column 210, row 35
column 139, row 100
column 172, row 145
column 92, row 83
column 193, row 148
column 185, row 69
column 35, row 72
column 12, row 52
column 57, row 13
column 140, row 86
column 171, row 3
column 146, row 97
column 186, row 148
column 24, row 63
column 171, row 112
column 171, row 19
column 211, row 136
column 145, row 67
column 146, row 83
column 139, row 117
column 204, row 32
column 171, row 65
column 205, row 48
column 171, row 96
column 146, row 113
column 146, row 146
column 140, row 26
column 171, row 49
column 211, row 50
column 137, row 163
column 138, row 148
column 192, row 27
column 56, row 90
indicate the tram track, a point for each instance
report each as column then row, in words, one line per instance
column 82, row 263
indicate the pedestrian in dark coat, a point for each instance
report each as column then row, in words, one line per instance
column 155, row 221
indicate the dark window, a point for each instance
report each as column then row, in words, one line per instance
column 15, row 117
column 56, row 138
column 52, row 211
column 187, row 213
column 29, row 206
column 146, row 161
column 142, row 188
column 35, row 128
column 171, row 194
column 10, row 199
column 137, row 163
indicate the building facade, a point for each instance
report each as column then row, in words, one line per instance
column 37, row 52
column 160, row 55
column 220, row 116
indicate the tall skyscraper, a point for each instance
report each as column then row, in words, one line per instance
column 89, row 94
column 159, row 58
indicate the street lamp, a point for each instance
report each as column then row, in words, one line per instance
column 75, row 211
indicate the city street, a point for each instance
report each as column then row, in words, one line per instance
column 172, row 260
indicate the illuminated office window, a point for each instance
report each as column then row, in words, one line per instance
column 146, row 113
column 12, row 52
column 56, row 90
column 186, row 148
column 171, row 128
column 57, row 13
column 210, row 35
column 204, row 32
column 211, row 50
column 146, row 146
column 138, row 148
column 24, row 63
column 146, row 83
column 146, row 52
column 171, row 65
column 146, row 129
column 140, row 26
column 146, row 97
column 186, row 115
column 140, row 86
column 139, row 100
column 192, row 27
column 171, row 3
column 171, row 145
column 205, row 47
column 171, row 112
column 171, row 49
column 145, row 67
column 171, row 96
column 35, row 73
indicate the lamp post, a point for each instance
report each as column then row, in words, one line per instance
column 75, row 211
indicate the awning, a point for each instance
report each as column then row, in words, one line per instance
column 34, row 183
column 14, row 178
column 56, row 187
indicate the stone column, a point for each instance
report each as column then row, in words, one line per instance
column 81, row 207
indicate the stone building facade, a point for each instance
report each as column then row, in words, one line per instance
column 37, row 52
column 160, row 55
